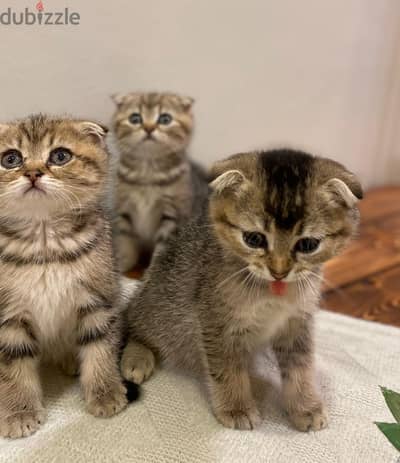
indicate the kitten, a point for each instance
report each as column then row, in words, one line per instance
column 158, row 186
column 244, row 273
column 59, row 290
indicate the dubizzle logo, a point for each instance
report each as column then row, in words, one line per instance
column 39, row 17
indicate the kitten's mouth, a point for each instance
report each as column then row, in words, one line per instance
column 149, row 137
column 34, row 189
column 278, row 287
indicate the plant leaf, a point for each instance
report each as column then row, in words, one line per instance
column 393, row 402
column 392, row 432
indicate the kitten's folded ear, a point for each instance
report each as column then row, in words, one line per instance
column 232, row 180
column 340, row 184
column 3, row 128
column 232, row 173
column 187, row 102
column 118, row 98
column 95, row 131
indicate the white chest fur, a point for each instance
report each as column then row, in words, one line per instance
column 50, row 293
column 258, row 321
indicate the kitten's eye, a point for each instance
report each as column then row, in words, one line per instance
column 164, row 119
column 11, row 159
column 135, row 118
column 60, row 156
column 307, row 245
column 255, row 240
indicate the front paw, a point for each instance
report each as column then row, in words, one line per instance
column 22, row 424
column 108, row 404
column 309, row 420
column 137, row 363
column 239, row 418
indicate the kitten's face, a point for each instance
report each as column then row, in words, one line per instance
column 284, row 213
column 50, row 166
column 152, row 123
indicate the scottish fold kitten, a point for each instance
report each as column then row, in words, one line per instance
column 158, row 186
column 59, row 289
column 246, row 273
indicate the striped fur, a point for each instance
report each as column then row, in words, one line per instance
column 207, row 302
column 59, row 291
column 158, row 186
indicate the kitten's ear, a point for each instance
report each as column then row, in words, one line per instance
column 338, row 190
column 118, row 98
column 232, row 180
column 187, row 102
column 3, row 128
column 340, row 184
column 93, row 130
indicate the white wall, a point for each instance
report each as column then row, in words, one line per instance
column 316, row 74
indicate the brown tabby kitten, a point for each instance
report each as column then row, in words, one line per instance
column 59, row 292
column 246, row 273
column 158, row 186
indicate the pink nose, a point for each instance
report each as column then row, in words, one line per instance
column 33, row 175
column 148, row 128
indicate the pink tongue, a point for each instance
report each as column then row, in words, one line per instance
column 278, row 288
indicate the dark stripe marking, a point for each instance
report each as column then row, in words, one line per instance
column 63, row 258
column 18, row 351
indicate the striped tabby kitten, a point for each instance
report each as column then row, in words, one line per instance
column 58, row 287
column 158, row 185
column 245, row 273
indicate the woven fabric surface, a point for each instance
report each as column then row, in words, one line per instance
column 172, row 421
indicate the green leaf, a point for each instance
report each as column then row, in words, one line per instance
column 393, row 401
column 392, row 432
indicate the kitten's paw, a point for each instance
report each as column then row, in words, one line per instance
column 312, row 420
column 70, row 365
column 22, row 424
column 108, row 404
column 248, row 418
column 137, row 363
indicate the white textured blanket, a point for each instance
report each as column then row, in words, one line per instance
column 172, row 421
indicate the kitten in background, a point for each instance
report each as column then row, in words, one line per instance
column 246, row 272
column 59, row 288
column 158, row 187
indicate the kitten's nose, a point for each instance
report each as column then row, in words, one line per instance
column 33, row 175
column 280, row 275
column 149, row 128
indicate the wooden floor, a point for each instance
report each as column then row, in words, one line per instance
column 365, row 281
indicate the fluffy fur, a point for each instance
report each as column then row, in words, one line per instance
column 158, row 186
column 208, row 301
column 55, row 304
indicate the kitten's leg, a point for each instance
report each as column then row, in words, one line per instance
column 230, row 390
column 99, row 339
column 21, row 409
column 166, row 228
column 137, row 363
column 127, row 245
column 294, row 351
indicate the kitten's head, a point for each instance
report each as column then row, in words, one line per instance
column 284, row 212
column 152, row 123
column 50, row 166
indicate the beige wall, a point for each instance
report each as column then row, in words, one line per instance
column 316, row 74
